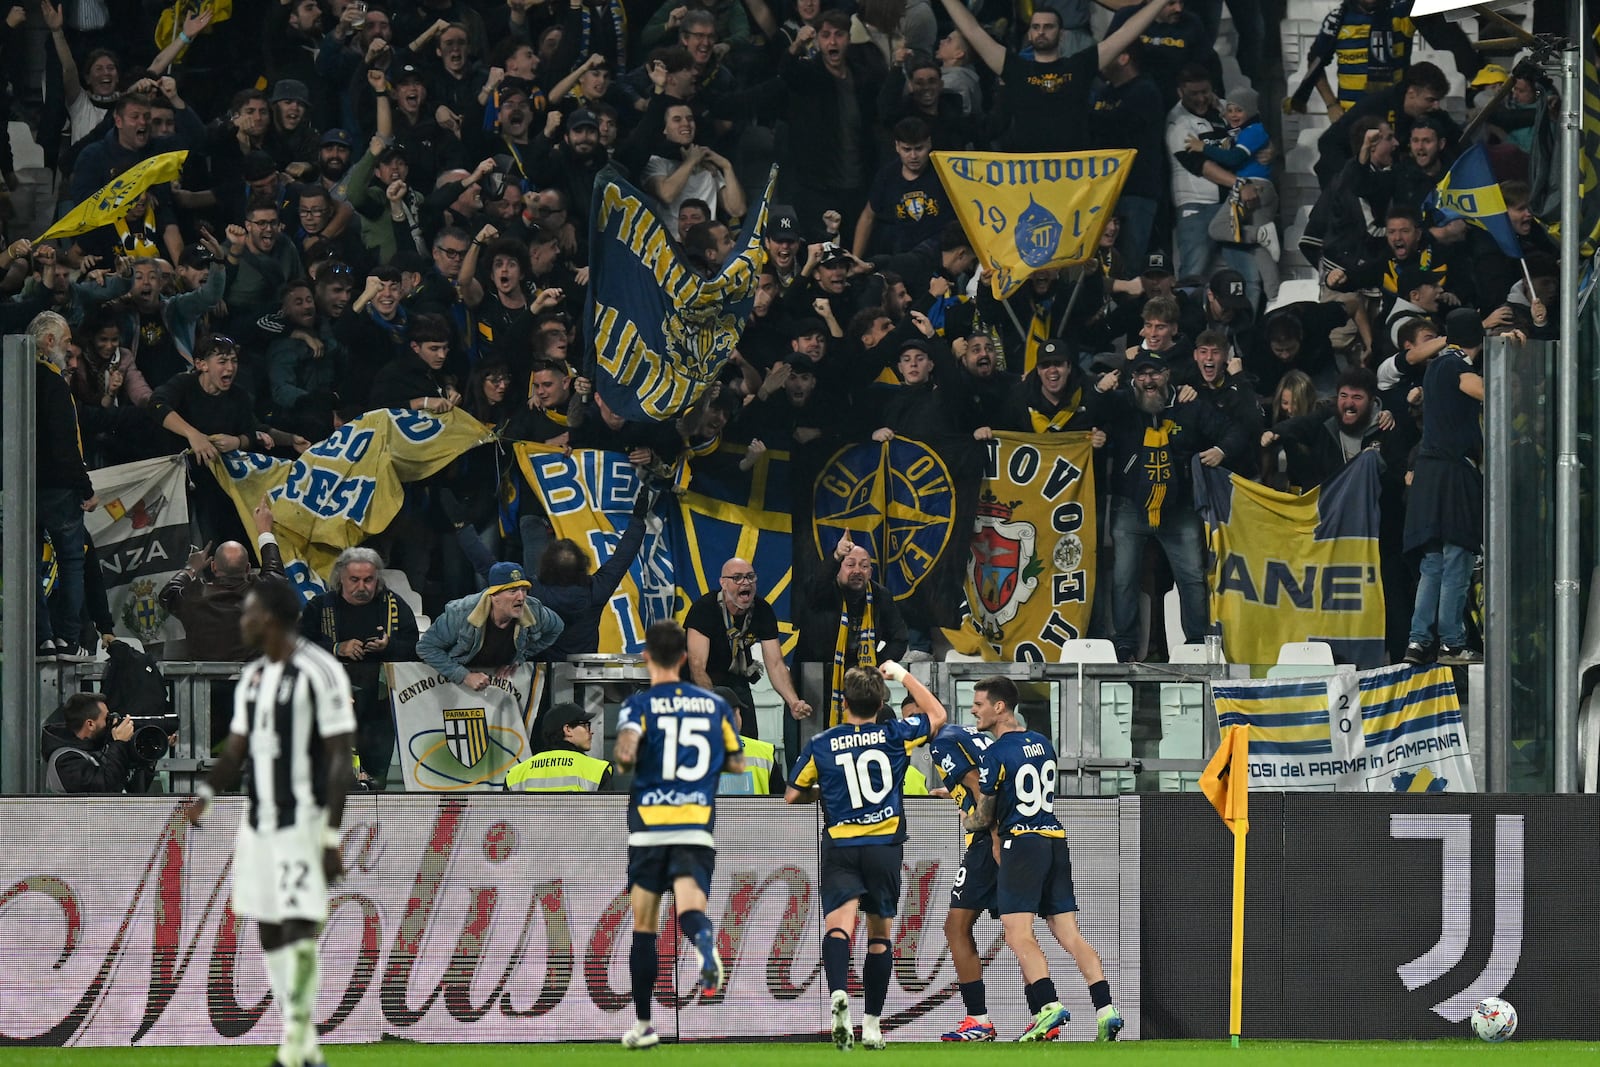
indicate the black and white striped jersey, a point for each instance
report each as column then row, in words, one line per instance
column 287, row 710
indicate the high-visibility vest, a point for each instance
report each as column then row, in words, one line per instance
column 757, row 777
column 557, row 771
column 916, row 784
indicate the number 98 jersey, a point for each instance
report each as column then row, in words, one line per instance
column 685, row 734
column 859, row 771
column 1019, row 771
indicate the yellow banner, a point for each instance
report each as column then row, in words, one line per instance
column 1030, row 575
column 1295, row 568
column 346, row 488
column 111, row 203
column 1031, row 213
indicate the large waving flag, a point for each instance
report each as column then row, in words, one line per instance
column 658, row 330
column 1031, row 561
column 724, row 512
column 1030, row 213
column 1469, row 191
column 111, row 202
column 1295, row 568
column 141, row 535
column 346, row 488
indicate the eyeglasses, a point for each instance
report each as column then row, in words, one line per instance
column 313, row 212
column 450, row 253
column 747, row 578
column 496, row 379
column 265, row 224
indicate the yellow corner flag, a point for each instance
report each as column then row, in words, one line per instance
column 111, row 203
column 1031, row 213
column 1226, row 783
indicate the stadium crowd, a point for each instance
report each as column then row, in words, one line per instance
column 385, row 204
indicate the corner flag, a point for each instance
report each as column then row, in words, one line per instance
column 1226, row 779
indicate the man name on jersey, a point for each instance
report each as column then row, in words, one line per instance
column 670, row 705
column 861, row 740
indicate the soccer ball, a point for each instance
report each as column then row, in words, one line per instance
column 1494, row 1019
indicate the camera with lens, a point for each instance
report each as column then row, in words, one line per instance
column 494, row 186
column 150, row 733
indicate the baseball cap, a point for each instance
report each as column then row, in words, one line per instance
column 582, row 117
column 196, row 256
column 406, row 72
column 1412, row 276
column 291, row 89
column 733, row 698
column 915, row 344
column 833, row 256
column 1489, row 74
column 258, row 166
column 1228, row 287
column 338, row 137
column 1463, row 328
column 563, row 715
column 1157, row 263
column 1053, row 350
column 801, row 363
column 514, row 87
column 783, row 224
column 503, row 576
column 807, row 326
column 1146, row 358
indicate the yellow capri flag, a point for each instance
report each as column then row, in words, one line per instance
column 1031, row 213
column 111, row 203
column 1226, row 783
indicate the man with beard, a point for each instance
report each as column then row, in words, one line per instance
column 1408, row 246
column 725, row 628
column 304, row 366
column 489, row 633
column 514, row 130
column 981, row 379
column 683, row 169
column 260, row 262
column 1325, row 445
column 1051, row 399
column 576, row 162
column 846, row 620
column 1418, row 174
column 333, row 161
column 364, row 625
column 1151, row 437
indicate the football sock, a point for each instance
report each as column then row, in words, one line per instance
column 697, row 929
column 1039, row 994
column 875, row 975
column 1100, row 993
column 836, row 959
column 303, row 989
column 643, row 963
column 280, row 967
column 974, row 998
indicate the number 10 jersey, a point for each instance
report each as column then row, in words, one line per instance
column 859, row 771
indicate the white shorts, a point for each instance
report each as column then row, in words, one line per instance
column 277, row 875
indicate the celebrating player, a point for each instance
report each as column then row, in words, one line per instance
column 679, row 739
column 858, row 768
column 1017, row 780
column 293, row 719
column 957, row 752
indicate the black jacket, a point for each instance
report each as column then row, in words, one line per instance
column 581, row 607
column 59, row 454
column 819, row 619
column 1140, row 466
column 86, row 766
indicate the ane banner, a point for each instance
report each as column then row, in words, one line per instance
column 1030, row 574
column 141, row 536
column 1395, row 729
column 588, row 496
column 454, row 739
column 346, row 488
column 497, row 918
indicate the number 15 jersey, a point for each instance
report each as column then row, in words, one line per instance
column 1019, row 771
column 685, row 735
column 859, row 771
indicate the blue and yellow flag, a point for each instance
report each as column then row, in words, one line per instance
column 723, row 513
column 588, row 495
column 1295, row 568
column 659, row 330
column 1031, row 562
column 111, row 203
column 1031, row 213
column 1469, row 191
column 346, row 488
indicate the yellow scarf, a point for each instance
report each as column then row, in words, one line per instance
column 866, row 654
column 1056, row 423
column 141, row 244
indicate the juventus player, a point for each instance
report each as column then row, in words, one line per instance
column 292, row 719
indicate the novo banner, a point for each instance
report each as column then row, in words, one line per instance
column 494, row 918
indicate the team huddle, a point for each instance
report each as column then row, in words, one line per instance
column 293, row 725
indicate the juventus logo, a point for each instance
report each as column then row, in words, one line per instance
column 1454, row 833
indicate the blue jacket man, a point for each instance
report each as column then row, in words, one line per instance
column 489, row 633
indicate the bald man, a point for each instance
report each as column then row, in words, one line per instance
column 725, row 628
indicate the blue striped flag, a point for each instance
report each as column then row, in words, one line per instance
column 1469, row 191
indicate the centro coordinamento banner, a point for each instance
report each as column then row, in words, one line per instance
column 494, row 918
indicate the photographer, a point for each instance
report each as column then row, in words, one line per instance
column 725, row 627
column 87, row 749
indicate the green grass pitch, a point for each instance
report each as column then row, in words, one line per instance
column 910, row 1054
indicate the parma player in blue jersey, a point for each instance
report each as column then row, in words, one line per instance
column 678, row 739
column 957, row 752
column 1016, row 805
column 857, row 770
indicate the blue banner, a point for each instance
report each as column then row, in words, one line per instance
column 1469, row 191
column 658, row 329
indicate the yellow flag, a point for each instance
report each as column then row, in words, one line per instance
column 1031, row 213
column 111, row 203
column 1226, row 779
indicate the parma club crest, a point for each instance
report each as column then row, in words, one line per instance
column 1004, row 566
column 466, row 731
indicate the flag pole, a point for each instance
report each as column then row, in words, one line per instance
column 1226, row 784
column 1236, row 972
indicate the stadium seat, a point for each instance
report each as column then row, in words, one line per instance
column 1116, row 733
column 1189, row 652
column 1172, row 617
column 1088, row 650
column 952, row 656
column 1306, row 652
column 398, row 584
column 1183, row 706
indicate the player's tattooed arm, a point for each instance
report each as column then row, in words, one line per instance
column 982, row 814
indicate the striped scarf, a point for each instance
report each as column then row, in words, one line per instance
column 866, row 654
column 619, row 27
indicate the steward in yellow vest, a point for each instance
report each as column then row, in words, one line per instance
column 564, row 766
column 761, row 775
